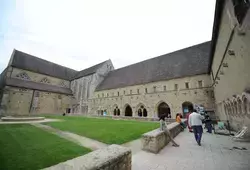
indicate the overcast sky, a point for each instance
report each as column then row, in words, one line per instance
column 81, row 33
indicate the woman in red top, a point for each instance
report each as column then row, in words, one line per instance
column 189, row 127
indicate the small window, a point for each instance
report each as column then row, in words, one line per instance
column 102, row 95
column 118, row 93
column 130, row 91
column 164, row 88
column 187, row 85
column 146, row 90
column 107, row 95
column 138, row 91
column 124, row 92
column 154, row 88
column 200, row 83
column 176, row 87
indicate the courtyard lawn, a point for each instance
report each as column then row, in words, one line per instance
column 24, row 146
column 108, row 131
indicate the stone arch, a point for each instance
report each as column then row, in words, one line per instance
column 187, row 107
column 141, row 110
column 116, row 111
column 235, row 108
column 226, row 109
column 244, row 105
column 163, row 108
column 231, row 108
column 239, row 106
column 128, row 110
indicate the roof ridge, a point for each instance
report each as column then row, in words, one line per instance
column 43, row 59
column 177, row 64
column 162, row 55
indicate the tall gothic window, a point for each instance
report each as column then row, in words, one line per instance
column 200, row 83
column 164, row 88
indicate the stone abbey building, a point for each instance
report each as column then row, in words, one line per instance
column 214, row 74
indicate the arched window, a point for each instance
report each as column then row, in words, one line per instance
column 116, row 111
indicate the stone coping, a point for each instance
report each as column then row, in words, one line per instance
column 156, row 140
column 111, row 157
column 16, row 119
column 157, row 132
column 153, row 119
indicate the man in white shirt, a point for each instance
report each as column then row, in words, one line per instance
column 195, row 121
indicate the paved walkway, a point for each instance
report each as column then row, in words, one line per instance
column 81, row 140
column 216, row 153
column 134, row 145
column 29, row 122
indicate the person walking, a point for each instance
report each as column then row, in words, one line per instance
column 189, row 127
column 208, row 123
column 195, row 121
column 163, row 127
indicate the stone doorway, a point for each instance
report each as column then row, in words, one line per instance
column 186, row 108
column 163, row 108
column 128, row 111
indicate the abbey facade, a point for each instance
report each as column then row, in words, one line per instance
column 215, row 75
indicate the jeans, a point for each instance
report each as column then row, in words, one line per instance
column 209, row 127
column 198, row 130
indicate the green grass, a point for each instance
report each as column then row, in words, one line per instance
column 24, row 146
column 104, row 130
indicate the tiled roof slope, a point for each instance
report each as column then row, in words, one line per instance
column 28, row 62
column 88, row 71
column 186, row 62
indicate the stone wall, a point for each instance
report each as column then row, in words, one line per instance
column 20, row 101
column 230, row 68
column 113, row 157
column 46, row 102
column 136, row 96
column 156, row 140
column 16, row 101
column 84, row 87
column 39, row 78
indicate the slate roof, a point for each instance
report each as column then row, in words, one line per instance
column 29, row 62
column 186, row 62
column 88, row 71
column 37, row 86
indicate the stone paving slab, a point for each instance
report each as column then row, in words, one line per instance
column 81, row 140
column 29, row 122
column 214, row 154
column 134, row 145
